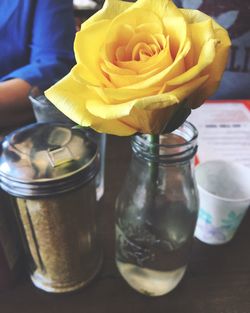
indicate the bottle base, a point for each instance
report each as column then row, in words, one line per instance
column 56, row 287
column 150, row 282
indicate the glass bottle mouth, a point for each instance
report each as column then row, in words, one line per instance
column 177, row 146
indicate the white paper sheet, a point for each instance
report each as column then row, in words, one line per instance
column 224, row 131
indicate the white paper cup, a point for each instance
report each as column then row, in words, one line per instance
column 224, row 191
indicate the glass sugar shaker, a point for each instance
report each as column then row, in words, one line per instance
column 49, row 169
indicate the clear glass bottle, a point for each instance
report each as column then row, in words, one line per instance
column 156, row 211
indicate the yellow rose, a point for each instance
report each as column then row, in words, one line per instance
column 137, row 62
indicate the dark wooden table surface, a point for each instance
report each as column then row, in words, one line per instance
column 217, row 279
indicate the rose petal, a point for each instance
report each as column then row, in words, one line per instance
column 149, row 121
column 117, row 36
column 158, row 79
column 113, row 127
column 109, row 111
column 216, row 69
column 160, row 61
column 176, row 28
column 87, row 48
column 175, row 96
column 70, row 96
column 112, row 111
column 150, row 28
column 120, row 95
column 83, row 73
column 206, row 57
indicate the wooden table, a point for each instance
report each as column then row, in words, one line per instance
column 217, row 280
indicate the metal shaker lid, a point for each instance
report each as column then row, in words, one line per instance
column 46, row 158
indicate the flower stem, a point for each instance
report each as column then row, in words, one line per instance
column 154, row 150
column 154, row 142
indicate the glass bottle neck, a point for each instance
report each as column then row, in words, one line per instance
column 175, row 147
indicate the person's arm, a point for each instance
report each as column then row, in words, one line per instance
column 51, row 54
column 15, row 107
column 51, row 58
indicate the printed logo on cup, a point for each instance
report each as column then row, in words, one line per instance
column 224, row 199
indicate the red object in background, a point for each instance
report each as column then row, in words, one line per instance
column 241, row 101
column 196, row 160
